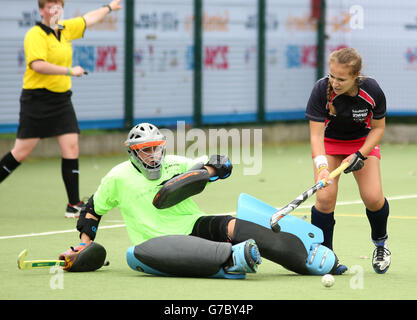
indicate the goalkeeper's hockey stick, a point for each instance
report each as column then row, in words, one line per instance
column 35, row 264
column 303, row 197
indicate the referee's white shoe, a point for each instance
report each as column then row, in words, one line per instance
column 381, row 259
column 73, row 211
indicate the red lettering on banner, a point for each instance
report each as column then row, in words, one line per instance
column 106, row 58
column 308, row 56
column 113, row 64
column 223, row 53
column 216, row 57
column 210, row 56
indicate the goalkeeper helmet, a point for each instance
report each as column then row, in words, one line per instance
column 145, row 145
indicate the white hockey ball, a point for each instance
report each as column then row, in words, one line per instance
column 327, row 280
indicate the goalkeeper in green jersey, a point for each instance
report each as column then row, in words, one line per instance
column 170, row 235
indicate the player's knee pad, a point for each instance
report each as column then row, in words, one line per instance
column 306, row 254
column 180, row 256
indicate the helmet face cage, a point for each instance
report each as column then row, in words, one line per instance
column 151, row 157
column 145, row 146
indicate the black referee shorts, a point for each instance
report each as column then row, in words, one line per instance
column 44, row 114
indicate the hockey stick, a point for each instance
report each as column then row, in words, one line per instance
column 37, row 264
column 34, row 264
column 303, row 197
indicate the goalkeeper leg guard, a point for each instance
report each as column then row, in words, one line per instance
column 189, row 256
column 297, row 247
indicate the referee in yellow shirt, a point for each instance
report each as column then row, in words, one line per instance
column 46, row 109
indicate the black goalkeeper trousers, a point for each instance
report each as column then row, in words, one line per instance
column 283, row 248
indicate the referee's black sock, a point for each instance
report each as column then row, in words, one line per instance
column 7, row 165
column 70, row 175
column 326, row 222
column 378, row 220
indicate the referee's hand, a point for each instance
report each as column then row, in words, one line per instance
column 77, row 71
column 115, row 5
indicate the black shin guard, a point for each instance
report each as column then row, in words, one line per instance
column 283, row 248
column 70, row 175
column 378, row 221
column 7, row 164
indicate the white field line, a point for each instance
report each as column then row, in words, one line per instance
column 341, row 203
column 56, row 232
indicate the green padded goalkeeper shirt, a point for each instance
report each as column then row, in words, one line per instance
column 126, row 188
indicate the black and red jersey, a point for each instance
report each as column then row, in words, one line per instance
column 353, row 113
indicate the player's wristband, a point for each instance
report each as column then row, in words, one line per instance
column 108, row 6
column 322, row 167
column 320, row 161
column 69, row 71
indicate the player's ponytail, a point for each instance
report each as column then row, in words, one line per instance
column 332, row 109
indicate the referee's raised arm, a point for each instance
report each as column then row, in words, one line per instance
column 92, row 17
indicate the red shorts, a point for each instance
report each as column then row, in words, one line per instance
column 347, row 147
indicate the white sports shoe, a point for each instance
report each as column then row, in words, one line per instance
column 381, row 259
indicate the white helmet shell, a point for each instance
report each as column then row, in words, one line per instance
column 145, row 145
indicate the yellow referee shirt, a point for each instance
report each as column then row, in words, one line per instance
column 41, row 43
